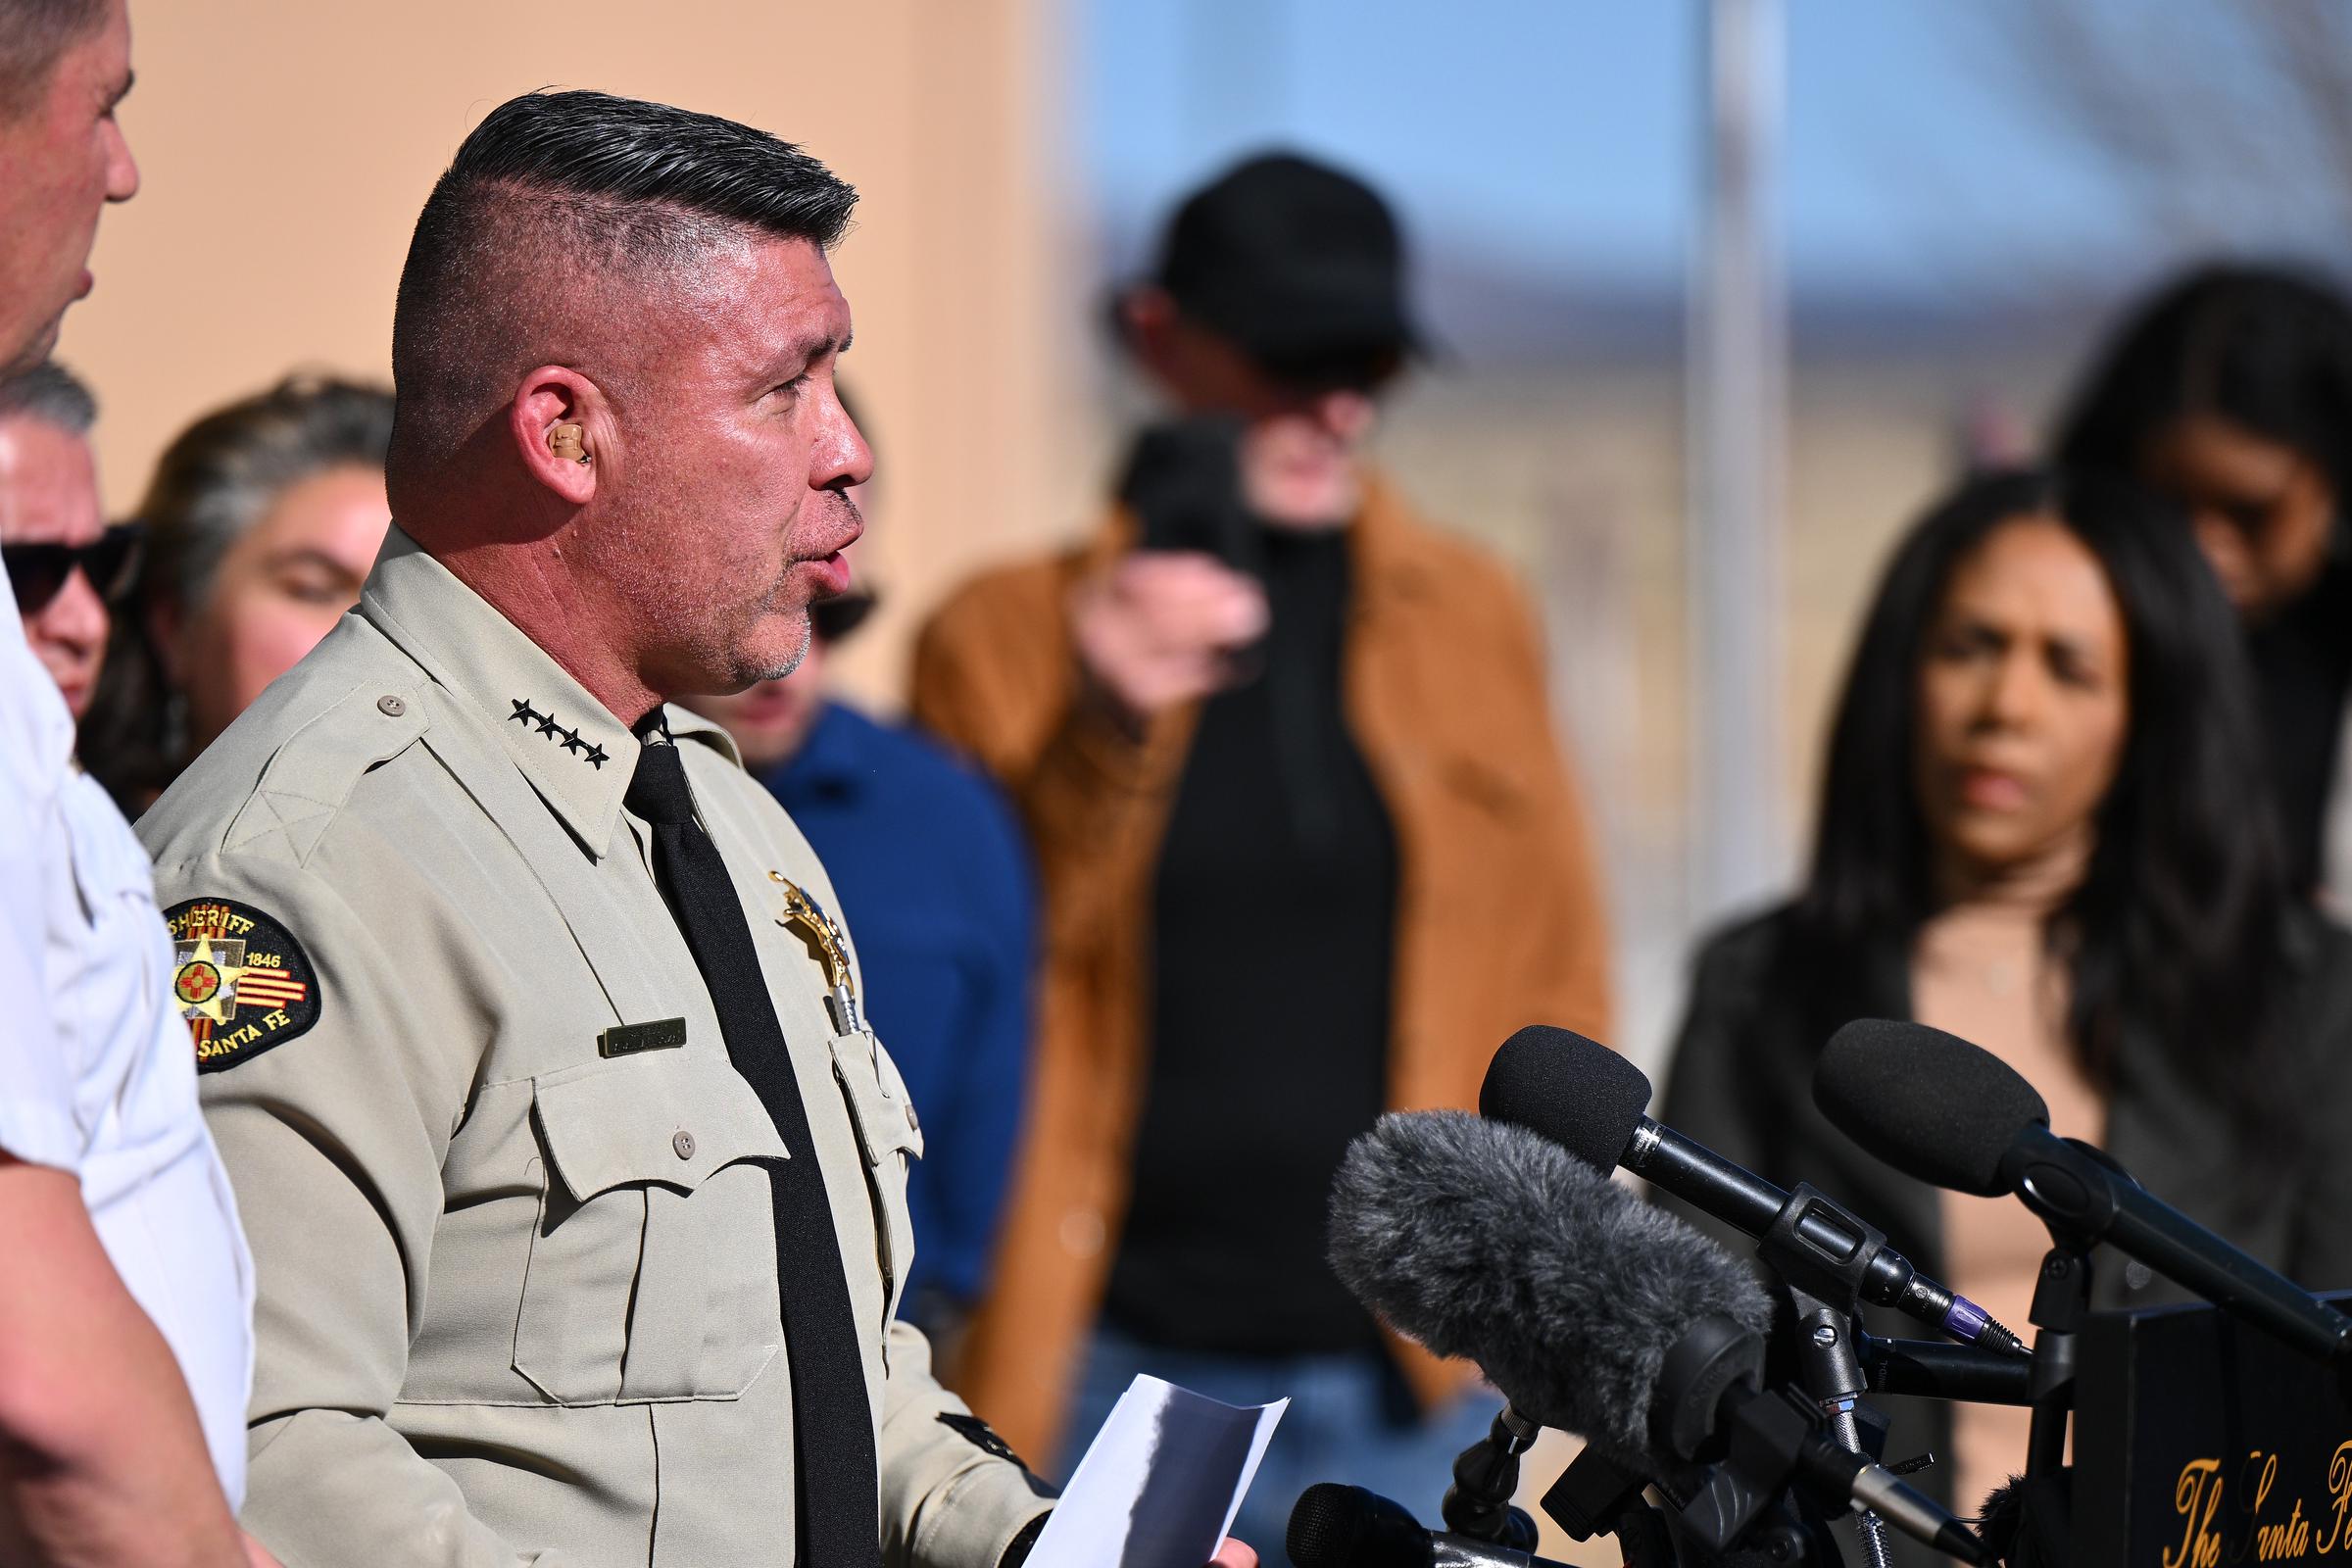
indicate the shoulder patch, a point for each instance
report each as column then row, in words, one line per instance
column 239, row 978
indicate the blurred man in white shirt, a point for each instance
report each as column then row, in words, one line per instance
column 125, row 1337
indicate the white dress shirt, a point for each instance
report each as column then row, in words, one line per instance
column 97, row 1072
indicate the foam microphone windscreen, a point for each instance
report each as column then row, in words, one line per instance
column 1483, row 1240
column 1576, row 1091
column 1338, row 1526
column 1928, row 1104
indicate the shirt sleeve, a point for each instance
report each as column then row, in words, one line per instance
column 994, row 677
column 953, row 1494
column 1564, row 934
column 38, row 907
column 335, row 1140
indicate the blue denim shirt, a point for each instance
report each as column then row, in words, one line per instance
column 937, row 887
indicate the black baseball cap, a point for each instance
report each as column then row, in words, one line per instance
column 1300, row 265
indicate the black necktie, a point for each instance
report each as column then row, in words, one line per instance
column 832, row 1426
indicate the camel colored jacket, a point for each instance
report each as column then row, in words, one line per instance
column 1498, row 907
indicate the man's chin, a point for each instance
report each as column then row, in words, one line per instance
column 35, row 352
column 777, row 655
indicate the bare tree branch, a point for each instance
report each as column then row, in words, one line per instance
column 2226, row 122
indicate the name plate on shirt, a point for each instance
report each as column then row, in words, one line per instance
column 628, row 1039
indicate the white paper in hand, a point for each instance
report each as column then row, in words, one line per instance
column 1161, row 1482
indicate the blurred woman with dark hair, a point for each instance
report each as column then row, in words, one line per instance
column 2231, row 392
column 2033, row 833
column 262, row 521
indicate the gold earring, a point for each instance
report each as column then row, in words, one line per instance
column 565, row 442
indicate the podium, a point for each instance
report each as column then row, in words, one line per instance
column 2203, row 1443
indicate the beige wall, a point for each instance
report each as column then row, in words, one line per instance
column 287, row 144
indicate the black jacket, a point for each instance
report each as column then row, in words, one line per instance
column 1742, row 1083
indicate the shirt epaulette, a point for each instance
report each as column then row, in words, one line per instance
column 309, row 778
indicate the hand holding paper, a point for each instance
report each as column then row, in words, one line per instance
column 1160, row 1483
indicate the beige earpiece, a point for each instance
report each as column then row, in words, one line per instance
column 565, row 442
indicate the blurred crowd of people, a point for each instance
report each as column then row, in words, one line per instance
column 1245, row 818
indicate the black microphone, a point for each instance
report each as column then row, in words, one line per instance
column 1333, row 1525
column 1592, row 1102
column 1955, row 1115
column 1584, row 1304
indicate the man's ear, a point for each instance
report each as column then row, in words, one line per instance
column 1147, row 318
column 558, row 421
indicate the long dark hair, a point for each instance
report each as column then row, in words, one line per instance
column 2266, row 348
column 2178, row 934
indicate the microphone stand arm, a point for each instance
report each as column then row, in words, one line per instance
column 1600, row 1496
column 2061, row 1305
column 1831, row 1372
column 1486, row 1477
column 1930, row 1369
column 1824, row 1284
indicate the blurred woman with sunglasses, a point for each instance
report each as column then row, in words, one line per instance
column 2231, row 392
column 261, row 524
column 63, row 564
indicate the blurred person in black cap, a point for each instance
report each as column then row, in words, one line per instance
column 933, row 873
column 1308, row 849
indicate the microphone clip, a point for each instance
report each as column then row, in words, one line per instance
column 1486, row 1477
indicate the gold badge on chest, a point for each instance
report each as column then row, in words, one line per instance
column 807, row 920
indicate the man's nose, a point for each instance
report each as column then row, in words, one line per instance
column 844, row 460
column 1347, row 415
column 122, row 169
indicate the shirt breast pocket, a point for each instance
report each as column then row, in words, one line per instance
column 652, row 1270
column 890, row 1135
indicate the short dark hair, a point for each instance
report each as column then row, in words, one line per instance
column 32, row 35
column 610, row 185
column 51, row 394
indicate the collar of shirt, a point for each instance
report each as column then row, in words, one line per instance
column 575, row 751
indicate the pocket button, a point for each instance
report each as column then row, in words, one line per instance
column 683, row 1144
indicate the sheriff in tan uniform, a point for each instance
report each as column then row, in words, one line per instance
column 508, row 1197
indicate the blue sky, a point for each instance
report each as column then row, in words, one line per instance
column 1560, row 137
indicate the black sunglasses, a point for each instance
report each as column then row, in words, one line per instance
column 1312, row 375
column 39, row 573
column 832, row 620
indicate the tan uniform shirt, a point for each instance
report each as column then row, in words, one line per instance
column 516, row 1259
